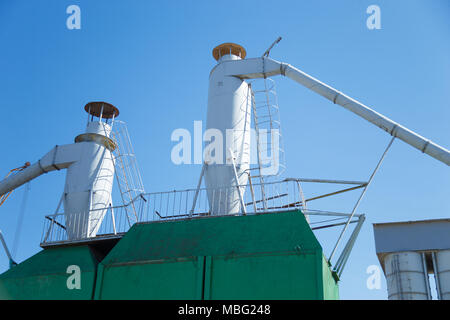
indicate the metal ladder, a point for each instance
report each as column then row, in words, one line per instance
column 127, row 173
column 266, row 119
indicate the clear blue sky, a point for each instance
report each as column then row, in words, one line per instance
column 152, row 60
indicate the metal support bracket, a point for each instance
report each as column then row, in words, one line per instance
column 11, row 261
column 360, row 198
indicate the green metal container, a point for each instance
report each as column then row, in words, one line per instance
column 264, row 256
column 44, row 275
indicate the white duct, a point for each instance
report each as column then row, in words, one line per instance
column 60, row 157
column 266, row 67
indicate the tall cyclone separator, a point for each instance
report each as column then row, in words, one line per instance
column 87, row 193
column 90, row 173
column 228, row 116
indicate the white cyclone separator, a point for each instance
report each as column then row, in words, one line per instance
column 228, row 117
column 89, row 178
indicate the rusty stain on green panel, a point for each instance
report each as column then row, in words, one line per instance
column 44, row 275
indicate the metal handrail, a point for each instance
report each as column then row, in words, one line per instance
column 177, row 204
column 285, row 195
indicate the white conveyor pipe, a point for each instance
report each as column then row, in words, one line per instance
column 266, row 67
column 60, row 157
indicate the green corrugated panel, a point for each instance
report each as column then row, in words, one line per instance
column 267, row 256
column 44, row 275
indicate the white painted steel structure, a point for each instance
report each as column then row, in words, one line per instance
column 406, row 276
column 228, row 116
column 229, row 108
column 89, row 184
column 89, row 176
column 266, row 67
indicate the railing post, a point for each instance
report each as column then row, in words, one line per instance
column 113, row 220
column 237, row 182
column 198, row 189
column 252, row 192
column 302, row 199
column 48, row 231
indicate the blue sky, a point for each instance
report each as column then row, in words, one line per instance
column 152, row 59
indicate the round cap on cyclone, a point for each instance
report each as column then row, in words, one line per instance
column 229, row 48
column 95, row 109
